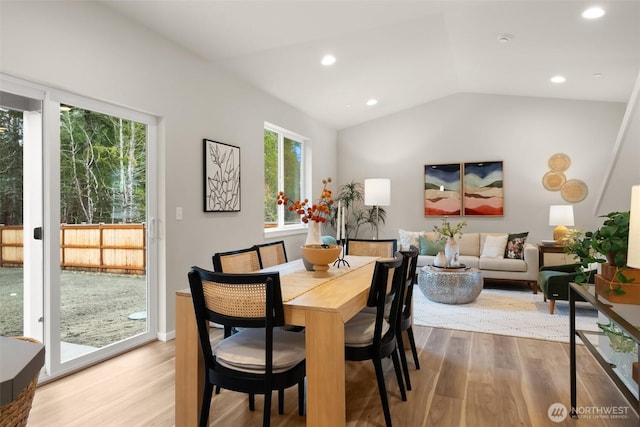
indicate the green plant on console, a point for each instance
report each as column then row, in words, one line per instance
column 608, row 243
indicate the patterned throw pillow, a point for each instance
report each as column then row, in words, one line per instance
column 409, row 238
column 515, row 246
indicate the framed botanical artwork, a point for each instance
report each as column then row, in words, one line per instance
column 221, row 177
column 442, row 185
column 483, row 189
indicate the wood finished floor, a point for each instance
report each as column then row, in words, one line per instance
column 466, row 379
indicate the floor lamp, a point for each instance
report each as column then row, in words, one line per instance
column 377, row 192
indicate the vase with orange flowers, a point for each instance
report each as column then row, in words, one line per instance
column 312, row 213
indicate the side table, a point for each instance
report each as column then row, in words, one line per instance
column 548, row 249
column 450, row 286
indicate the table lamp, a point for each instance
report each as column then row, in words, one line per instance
column 633, row 254
column 377, row 192
column 560, row 216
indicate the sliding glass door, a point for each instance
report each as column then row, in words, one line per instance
column 85, row 225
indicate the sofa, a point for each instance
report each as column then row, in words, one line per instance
column 517, row 261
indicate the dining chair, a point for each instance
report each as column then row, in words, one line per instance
column 261, row 357
column 271, row 254
column 405, row 317
column 385, row 248
column 371, row 336
column 238, row 261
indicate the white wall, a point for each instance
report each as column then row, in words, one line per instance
column 85, row 48
column 521, row 131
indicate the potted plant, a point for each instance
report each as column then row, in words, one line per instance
column 606, row 246
column 356, row 214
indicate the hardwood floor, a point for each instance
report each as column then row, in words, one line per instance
column 466, row 379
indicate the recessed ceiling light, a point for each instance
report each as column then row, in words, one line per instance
column 328, row 60
column 504, row 38
column 372, row 102
column 598, row 75
column 558, row 79
column 593, row 13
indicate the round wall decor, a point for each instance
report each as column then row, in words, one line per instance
column 553, row 181
column 574, row 191
column 559, row 162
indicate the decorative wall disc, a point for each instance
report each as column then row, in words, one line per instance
column 574, row 191
column 553, row 181
column 559, row 162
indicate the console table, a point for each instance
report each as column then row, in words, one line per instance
column 627, row 318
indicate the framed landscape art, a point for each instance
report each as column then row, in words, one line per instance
column 483, row 189
column 442, row 185
column 221, row 177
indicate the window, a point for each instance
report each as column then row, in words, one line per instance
column 285, row 157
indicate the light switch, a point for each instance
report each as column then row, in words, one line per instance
column 179, row 213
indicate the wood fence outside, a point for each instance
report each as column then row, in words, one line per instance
column 113, row 248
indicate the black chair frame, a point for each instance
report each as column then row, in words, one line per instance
column 237, row 380
column 383, row 346
column 405, row 318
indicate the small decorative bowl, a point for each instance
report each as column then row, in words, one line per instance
column 320, row 256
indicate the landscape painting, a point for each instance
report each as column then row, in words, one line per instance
column 483, row 189
column 442, row 185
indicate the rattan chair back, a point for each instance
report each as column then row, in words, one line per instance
column 239, row 261
column 385, row 248
column 271, row 254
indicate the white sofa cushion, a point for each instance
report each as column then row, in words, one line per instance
column 502, row 264
column 469, row 244
column 494, row 246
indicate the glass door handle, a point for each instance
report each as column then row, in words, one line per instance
column 37, row 233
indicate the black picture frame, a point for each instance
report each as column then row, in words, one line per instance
column 221, row 170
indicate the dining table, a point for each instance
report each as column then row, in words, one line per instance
column 321, row 304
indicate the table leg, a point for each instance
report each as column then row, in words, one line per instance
column 325, row 369
column 572, row 350
column 189, row 365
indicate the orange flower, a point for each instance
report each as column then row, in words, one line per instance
column 317, row 212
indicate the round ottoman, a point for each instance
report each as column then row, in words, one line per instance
column 450, row 286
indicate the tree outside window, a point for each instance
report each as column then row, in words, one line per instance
column 283, row 170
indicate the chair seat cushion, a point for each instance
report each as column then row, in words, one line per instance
column 244, row 350
column 358, row 332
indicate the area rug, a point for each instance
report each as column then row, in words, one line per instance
column 511, row 312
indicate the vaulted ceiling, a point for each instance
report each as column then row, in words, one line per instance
column 404, row 53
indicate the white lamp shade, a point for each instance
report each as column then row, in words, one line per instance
column 561, row 215
column 633, row 254
column 377, row 192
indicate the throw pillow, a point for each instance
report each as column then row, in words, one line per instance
column 430, row 247
column 494, row 246
column 515, row 245
column 408, row 238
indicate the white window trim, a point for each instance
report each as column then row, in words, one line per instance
column 301, row 228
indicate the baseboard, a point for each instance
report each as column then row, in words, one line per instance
column 171, row 335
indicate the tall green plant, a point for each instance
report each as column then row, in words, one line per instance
column 356, row 213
